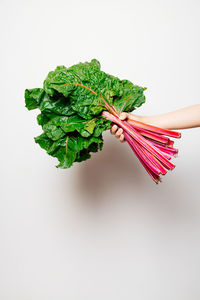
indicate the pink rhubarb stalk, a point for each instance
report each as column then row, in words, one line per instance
column 141, row 140
column 139, row 125
column 154, row 136
column 155, row 177
column 169, row 150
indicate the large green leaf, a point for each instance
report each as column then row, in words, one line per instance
column 71, row 102
column 33, row 97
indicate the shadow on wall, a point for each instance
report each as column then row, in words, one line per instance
column 115, row 173
column 112, row 171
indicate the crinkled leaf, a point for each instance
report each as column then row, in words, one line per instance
column 71, row 103
column 44, row 141
column 129, row 101
column 74, row 149
column 72, row 82
column 42, row 119
column 52, row 131
column 33, row 97
column 59, row 106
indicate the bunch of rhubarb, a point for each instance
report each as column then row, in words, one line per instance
column 77, row 104
column 150, row 144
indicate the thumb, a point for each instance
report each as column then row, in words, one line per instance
column 123, row 116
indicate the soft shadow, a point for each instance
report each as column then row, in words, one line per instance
column 115, row 167
column 115, row 170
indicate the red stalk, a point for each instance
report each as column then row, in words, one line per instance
column 157, row 143
column 139, row 125
column 171, row 143
column 153, row 136
column 155, row 177
column 163, row 146
column 140, row 139
column 169, row 150
column 155, row 161
column 167, row 155
column 144, row 157
column 162, row 157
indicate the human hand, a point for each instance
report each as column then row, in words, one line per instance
column 188, row 117
column 118, row 132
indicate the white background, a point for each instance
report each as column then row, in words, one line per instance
column 102, row 229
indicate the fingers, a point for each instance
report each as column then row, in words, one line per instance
column 118, row 133
column 122, row 140
column 123, row 116
column 113, row 129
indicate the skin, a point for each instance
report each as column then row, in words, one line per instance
column 188, row 117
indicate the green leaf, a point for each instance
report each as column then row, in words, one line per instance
column 66, row 157
column 90, row 126
column 59, row 106
column 72, row 123
column 71, row 104
column 52, row 131
column 33, row 97
column 44, row 141
column 131, row 97
column 83, row 155
column 42, row 119
column 101, row 126
column 74, row 149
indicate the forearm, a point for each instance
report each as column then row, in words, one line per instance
column 187, row 117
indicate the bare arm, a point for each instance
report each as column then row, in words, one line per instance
column 188, row 117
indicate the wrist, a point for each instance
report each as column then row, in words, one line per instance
column 135, row 117
column 146, row 119
column 154, row 121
